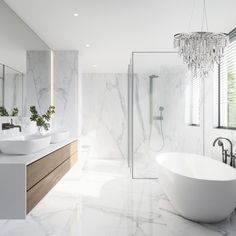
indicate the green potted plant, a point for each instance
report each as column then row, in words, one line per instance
column 4, row 112
column 42, row 121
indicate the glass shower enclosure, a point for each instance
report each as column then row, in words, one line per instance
column 158, row 111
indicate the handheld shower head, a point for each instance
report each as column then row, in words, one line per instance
column 161, row 108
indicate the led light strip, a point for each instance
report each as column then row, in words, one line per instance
column 52, row 77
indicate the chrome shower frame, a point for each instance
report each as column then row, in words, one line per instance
column 131, row 108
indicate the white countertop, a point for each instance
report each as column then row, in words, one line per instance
column 27, row 159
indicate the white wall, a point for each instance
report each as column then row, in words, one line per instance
column 66, row 91
column 16, row 38
column 37, row 81
column 104, row 112
column 104, row 115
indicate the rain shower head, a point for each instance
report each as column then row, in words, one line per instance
column 153, row 76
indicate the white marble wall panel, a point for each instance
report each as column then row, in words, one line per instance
column 104, row 115
column 105, row 122
column 65, row 91
column 37, row 82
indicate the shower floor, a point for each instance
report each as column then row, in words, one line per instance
column 145, row 166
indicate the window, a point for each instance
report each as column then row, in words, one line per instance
column 192, row 114
column 227, row 86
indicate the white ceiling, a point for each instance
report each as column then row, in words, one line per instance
column 115, row 28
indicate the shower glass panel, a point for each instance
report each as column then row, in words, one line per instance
column 157, row 111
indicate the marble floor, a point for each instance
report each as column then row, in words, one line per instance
column 102, row 200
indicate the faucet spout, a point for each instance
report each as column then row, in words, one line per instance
column 224, row 152
column 18, row 126
column 6, row 126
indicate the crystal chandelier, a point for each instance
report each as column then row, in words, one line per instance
column 200, row 50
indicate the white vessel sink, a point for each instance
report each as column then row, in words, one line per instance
column 23, row 145
column 59, row 136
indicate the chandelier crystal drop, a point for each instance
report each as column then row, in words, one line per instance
column 200, row 50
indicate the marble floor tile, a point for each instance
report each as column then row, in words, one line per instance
column 103, row 200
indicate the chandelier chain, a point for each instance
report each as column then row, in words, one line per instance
column 204, row 16
column 191, row 16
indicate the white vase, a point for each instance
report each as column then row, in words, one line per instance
column 41, row 130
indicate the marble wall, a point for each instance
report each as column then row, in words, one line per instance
column 65, row 91
column 104, row 115
column 37, row 81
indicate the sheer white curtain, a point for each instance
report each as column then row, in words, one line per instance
column 192, row 101
column 227, row 83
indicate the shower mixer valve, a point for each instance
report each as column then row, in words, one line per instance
column 160, row 117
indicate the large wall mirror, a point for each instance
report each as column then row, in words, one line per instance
column 1, row 85
column 225, row 78
column 25, row 63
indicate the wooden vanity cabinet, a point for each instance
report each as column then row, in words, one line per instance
column 43, row 174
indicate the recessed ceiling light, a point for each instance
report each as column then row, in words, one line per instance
column 87, row 45
column 76, row 14
column 94, row 66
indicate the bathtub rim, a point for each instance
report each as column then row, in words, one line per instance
column 160, row 165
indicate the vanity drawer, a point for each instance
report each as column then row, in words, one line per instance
column 38, row 191
column 37, row 170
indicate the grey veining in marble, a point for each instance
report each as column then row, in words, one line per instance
column 37, row 81
column 66, row 91
column 104, row 115
column 105, row 121
column 102, row 199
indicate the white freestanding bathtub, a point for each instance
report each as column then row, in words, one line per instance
column 200, row 188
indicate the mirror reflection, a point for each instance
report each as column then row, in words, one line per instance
column 26, row 55
column 1, row 85
column 11, row 86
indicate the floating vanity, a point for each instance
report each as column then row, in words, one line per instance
column 26, row 179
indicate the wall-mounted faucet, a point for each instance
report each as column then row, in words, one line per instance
column 225, row 152
column 6, row 126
